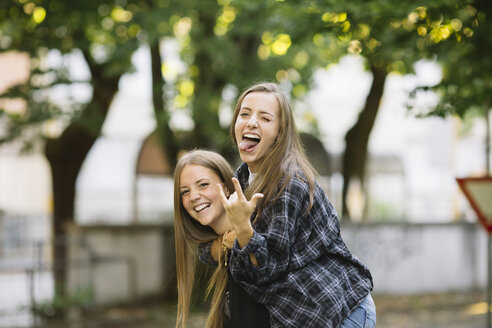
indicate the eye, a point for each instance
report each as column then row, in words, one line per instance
column 244, row 114
column 266, row 119
column 184, row 192
column 204, row 184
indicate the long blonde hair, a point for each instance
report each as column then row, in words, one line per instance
column 287, row 157
column 188, row 233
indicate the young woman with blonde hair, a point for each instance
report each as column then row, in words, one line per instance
column 199, row 217
column 288, row 254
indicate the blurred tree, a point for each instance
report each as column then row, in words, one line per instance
column 153, row 18
column 51, row 32
column 383, row 34
column 380, row 32
column 458, row 35
column 227, row 45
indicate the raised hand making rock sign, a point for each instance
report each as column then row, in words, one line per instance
column 239, row 210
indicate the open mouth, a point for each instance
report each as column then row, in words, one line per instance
column 249, row 142
column 201, row 207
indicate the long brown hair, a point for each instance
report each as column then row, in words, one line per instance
column 286, row 158
column 188, row 233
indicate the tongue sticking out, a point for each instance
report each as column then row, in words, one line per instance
column 247, row 144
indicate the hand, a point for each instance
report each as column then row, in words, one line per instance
column 239, row 210
column 237, row 207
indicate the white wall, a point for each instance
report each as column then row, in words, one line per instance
column 403, row 258
column 25, row 185
column 421, row 258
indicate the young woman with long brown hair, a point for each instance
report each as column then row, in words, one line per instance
column 288, row 254
column 199, row 217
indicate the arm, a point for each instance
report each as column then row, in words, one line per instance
column 270, row 246
column 286, row 238
column 271, row 242
column 239, row 211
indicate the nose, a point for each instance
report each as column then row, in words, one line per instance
column 253, row 121
column 194, row 195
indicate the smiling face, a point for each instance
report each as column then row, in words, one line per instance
column 200, row 196
column 257, row 126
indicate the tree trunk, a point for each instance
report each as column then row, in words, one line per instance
column 488, row 166
column 208, row 92
column 66, row 155
column 166, row 135
column 357, row 138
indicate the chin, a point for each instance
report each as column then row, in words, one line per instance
column 205, row 223
column 247, row 157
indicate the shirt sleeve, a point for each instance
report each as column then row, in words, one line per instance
column 272, row 239
column 287, row 236
column 205, row 254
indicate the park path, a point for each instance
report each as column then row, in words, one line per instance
column 451, row 310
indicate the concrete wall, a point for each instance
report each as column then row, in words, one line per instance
column 122, row 263
column 137, row 261
column 420, row 258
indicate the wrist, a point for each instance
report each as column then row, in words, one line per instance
column 243, row 228
column 244, row 235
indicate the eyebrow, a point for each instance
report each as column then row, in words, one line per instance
column 261, row 111
column 196, row 182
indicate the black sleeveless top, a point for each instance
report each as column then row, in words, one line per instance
column 244, row 311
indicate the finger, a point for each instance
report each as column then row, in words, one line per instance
column 233, row 196
column 255, row 199
column 238, row 188
column 222, row 196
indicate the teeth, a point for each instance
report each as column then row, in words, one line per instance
column 201, row 207
column 251, row 136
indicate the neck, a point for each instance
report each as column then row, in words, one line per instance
column 252, row 169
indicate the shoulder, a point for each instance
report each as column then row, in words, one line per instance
column 299, row 189
column 301, row 184
column 295, row 189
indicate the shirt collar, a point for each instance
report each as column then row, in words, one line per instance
column 242, row 174
column 251, row 176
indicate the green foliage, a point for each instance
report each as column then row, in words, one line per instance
column 459, row 35
column 379, row 31
column 222, row 43
column 104, row 33
column 234, row 43
column 239, row 42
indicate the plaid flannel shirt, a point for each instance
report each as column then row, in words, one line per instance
column 306, row 275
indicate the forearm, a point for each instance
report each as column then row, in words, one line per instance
column 243, row 237
column 252, row 263
column 243, row 234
